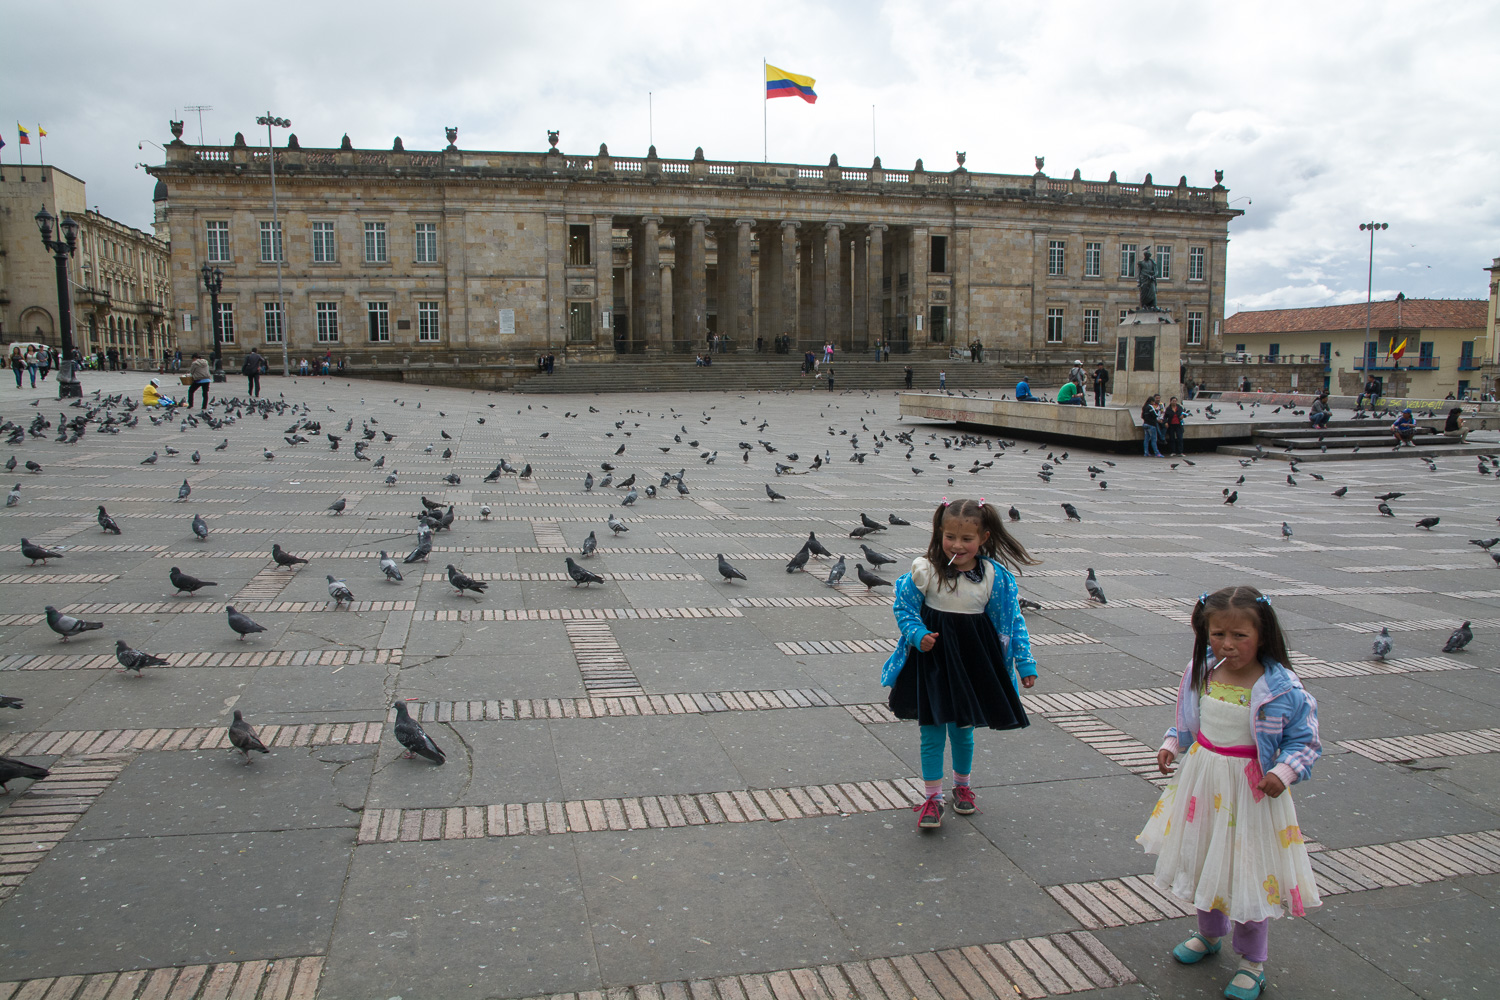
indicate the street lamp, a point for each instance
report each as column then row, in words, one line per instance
column 67, row 382
column 213, row 283
column 268, row 120
column 1369, row 289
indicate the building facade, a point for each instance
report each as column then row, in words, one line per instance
column 1447, row 347
column 119, row 278
column 484, row 256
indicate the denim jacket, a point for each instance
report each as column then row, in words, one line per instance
column 1003, row 611
column 1284, row 719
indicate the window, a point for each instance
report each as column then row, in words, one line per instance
column 1466, row 356
column 1054, row 326
column 1196, row 256
column 938, row 324
column 270, row 242
column 325, row 250
column 226, row 322
column 428, row 330
column 1127, row 260
column 579, row 245
column 1123, row 314
column 1325, row 351
column 1274, row 350
column 328, row 322
column 275, row 329
column 379, row 315
column 938, row 264
column 427, row 243
column 218, row 242
column 1093, row 256
column 375, row 243
column 1195, row 329
column 1055, row 258
column 1163, row 262
column 580, row 319
column 1091, row 326
column 1424, row 354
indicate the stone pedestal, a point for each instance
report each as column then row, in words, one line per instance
column 1148, row 358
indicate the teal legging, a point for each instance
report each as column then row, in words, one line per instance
column 933, row 740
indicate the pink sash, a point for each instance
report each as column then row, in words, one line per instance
column 1252, row 769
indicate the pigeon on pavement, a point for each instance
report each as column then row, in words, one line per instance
column 870, row 522
column 183, row 491
column 337, row 506
column 1485, row 543
column 462, row 582
column 1382, row 645
column 1286, row 530
column 581, row 575
column 836, row 573
column 135, row 659
column 187, row 584
column 728, row 572
column 590, row 544
column 1231, row 498
column 1072, row 512
column 1341, row 491
column 1428, row 522
column 284, row 558
column 1385, row 509
column 10, row 701
column 241, row 623
column 388, row 567
column 423, row 549
column 773, row 494
column 38, row 553
column 799, row 560
column 11, row 769
column 339, row 591
column 107, row 523
column 243, row 738
column 816, row 547
column 1013, row 514
column 414, row 738
column 616, row 525
column 1096, row 592
column 66, row 625
column 869, row 579
column 1460, row 638
column 893, row 519
column 200, row 528
column 877, row 559
column 14, row 496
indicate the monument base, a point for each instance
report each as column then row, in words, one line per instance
column 1148, row 358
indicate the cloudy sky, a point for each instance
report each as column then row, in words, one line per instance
column 1322, row 115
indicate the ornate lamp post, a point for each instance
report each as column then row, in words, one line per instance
column 67, row 382
column 213, row 283
column 1369, row 287
column 268, row 120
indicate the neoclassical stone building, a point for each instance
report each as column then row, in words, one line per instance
column 484, row 256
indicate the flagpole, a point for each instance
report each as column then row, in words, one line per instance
column 765, row 128
column 41, row 152
column 874, row 150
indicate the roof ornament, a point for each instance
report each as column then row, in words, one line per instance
column 452, row 132
column 1041, row 161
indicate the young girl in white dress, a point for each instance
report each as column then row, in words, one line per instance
column 1225, row 831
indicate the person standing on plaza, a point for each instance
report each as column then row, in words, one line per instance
column 942, row 380
column 31, row 365
column 1151, row 422
column 907, row 372
column 964, row 651
column 887, row 349
column 1101, row 384
column 1225, row 831
column 17, row 364
column 1172, row 418
column 44, row 361
column 199, row 378
column 252, row 369
column 1078, row 377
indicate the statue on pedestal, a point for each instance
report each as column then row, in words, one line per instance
column 1145, row 280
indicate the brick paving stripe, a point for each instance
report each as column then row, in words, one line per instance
column 40, row 817
column 282, row 979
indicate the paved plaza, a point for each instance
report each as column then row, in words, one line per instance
column 670, row 787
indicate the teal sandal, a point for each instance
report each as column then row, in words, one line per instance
column 1234, row 992
column 1188, row 956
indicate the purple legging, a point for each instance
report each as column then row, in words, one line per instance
column 1249, row 939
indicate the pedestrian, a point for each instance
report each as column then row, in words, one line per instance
column 1101, row 384
column 44, row 362
column 177, row 361
column 1244, row 383
column 1151, row 422
column 907, row 373
column 252, row 368
column 1172, row 418
column 964, row 651
column 942, row 380
column 759, row 345
column 31, row 365
column 198, row 378
column 17, row 364
column 887, row 350
column 830, row 378
column 1191, row 385
column 1225, row 830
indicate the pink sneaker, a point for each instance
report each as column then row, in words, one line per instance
column 931, row 813
column 963, row 800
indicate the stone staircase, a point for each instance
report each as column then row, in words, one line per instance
column 1343, row 440
column 755, row 373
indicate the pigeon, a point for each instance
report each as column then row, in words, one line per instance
column 389, row 568
column 37, row 553
column 869, row 579
column 222, row 445
column 626, row 483
column 196, row 457
column 431, row 504
column 32, row 467
column 607, row 481
column 14, row 496
column 390, row 480
column 1382, row 645
column 10, row 465
column 1341, row 491
column 337, row 506
column 1385, row 509
column 589, row 545
column 108, row 523
column 616, row 525
column 728, row 572
column 11, row 769
column 150, row 459
column 414, row 738
column 870, row 523
column 893, row 519
column 423, row 549
column 339, row 591
column 187, row 584
column 773, row 494
column 66, row 625
column 452, row 479
column 200, row 528
column 581, row 575
column 1028, row 605
column 1231, row 498
column 135, row 659
column 630, row 498
column 799, row 560
column 1390, row 496
column 588, row 480
column 877, row 559
column 1014, row 514
column 284, row 558
column 526, row 472
column 183, row 491
column 1485, row 543
column 243, row 738
column 1290, row 481
column 241, row 623
column 836, row 573
column 1428, row 522
column 861, row 532
column 1072, row 512
column 462, row 582
column 1096, row 592
column 485, row 512
column 816, row 547
column 9, row 701
column 1286, row 530
column 1460, row 638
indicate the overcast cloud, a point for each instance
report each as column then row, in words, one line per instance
column 1322, row 115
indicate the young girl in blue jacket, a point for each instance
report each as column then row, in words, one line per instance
column 1225, row 831
column 965, row 646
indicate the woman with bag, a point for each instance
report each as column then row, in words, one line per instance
column 198, row 377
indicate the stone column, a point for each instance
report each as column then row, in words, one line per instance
column 556, row 333
column 958, row 297
column 604, row 282
column 668, row 305
column 692, row 279
column 741, row 287
column 859, row 299
column 806, row 333
column 833, row 283
column 817, row 331
column 645, row 304
column 917, row 282
column 875, row 289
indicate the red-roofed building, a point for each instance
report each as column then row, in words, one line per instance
column 1447, row 348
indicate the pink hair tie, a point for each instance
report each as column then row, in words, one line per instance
column 981, row 501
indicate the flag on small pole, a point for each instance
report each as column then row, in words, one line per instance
column 41, row 134
column 25, row 141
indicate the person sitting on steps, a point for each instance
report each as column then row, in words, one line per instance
column 1023, row 392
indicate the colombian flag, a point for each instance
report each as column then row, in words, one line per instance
column 25, row 135
column 780, row 83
